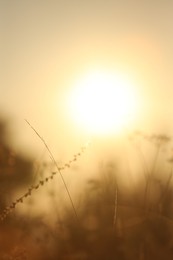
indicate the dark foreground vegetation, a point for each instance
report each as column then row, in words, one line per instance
column 112, row 222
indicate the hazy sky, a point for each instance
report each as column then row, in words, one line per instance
column 45, row 45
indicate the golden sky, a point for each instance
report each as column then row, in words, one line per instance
column 46, row 45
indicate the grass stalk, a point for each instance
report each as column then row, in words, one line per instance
column 40, row 183
column 58, row 169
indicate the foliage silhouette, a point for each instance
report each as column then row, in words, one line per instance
column 113, row 221
column 15, row 170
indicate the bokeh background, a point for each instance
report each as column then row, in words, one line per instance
column 45, row 47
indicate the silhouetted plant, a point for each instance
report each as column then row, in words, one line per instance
column 42, row 182
column 112, row 220
column 15, row 170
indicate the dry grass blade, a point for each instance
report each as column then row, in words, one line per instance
column 115, row 207
column 56, row 165
column 40, row 183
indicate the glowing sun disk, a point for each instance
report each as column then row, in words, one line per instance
column 103, row 101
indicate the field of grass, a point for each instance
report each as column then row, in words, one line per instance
column 106, row 221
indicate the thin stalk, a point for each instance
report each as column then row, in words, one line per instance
column 58, row 169
column 148, row 184
column 167, row 185
column 115, row 207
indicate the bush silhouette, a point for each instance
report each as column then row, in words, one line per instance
column 15, row 170
column 113, row 222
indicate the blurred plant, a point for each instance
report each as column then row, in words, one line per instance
column 159, row 141
column 115, row 223
column 15, row 170
column 96, row 237
column 135, row 235
column 42, row 182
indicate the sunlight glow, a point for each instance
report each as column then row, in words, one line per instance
column 103, row 102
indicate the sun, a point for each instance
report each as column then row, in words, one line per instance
column 103, row 101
